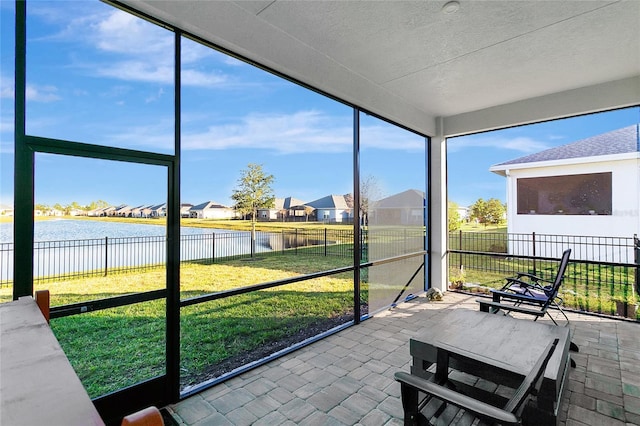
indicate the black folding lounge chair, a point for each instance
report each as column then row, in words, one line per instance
column 510, row 414
column 529, row 294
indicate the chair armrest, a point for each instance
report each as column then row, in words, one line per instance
column 484, row 303
column 530, row 276
column 524, row 284
column 479, row 408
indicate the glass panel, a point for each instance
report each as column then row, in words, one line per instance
column 238, row 119
column 392, row 187
column 219, row 336
column 96, row 238
column 115, row 348
column 99, row 75
column 89, row 226
column 7, row 18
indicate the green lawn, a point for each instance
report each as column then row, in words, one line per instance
column 118, row 347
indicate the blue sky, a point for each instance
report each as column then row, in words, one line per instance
column 98, row 75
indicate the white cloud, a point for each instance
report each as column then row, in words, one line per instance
column 136, row 71
column 520, row 144
column 35, row 93
column 42, row 93
column 299, row 132
column 304, row 131
column 6, row 125
column 390, row 138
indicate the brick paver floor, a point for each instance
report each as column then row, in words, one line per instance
column 347, row 378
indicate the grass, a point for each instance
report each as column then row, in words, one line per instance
column 587, row 287
column 114, row 348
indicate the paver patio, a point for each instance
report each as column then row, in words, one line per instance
column 347, row 378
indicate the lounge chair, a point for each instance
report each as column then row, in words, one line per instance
column 529, row 294
column 510, row 414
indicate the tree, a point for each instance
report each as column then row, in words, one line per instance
column 453, row 216
column 488, row 212
column 100, row 204
column 307, row 211
column 252, row 193
column 370, row 193
column 495, row 210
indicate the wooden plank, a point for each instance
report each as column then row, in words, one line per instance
column 38, row 385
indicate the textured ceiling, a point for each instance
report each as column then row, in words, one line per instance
column 412, row 62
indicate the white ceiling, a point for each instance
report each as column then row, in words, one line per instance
column 490, row 64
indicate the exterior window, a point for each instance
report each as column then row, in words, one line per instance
column 586, row 194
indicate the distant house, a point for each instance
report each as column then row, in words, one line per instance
column 6, row 210
column 138, row 211
column 122, row 210
column 590, row 187
column 282, row 210
column 463, row 212
column 211, row 210
column 332, row 208
column 406, row 208
column 101, row 212
column 184, row 209
column 159, row 210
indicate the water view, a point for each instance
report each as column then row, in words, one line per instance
column 69, row 229
column 69, row 247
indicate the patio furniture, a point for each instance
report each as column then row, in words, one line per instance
column 493, row 351
column 39, row 385
column 529, row 294
column 149, row 416
column 441, row 395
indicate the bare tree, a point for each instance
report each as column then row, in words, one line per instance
column 370, row 194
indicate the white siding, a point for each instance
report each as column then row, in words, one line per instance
column 623, row 222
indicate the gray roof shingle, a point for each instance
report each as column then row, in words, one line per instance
column 621, row 141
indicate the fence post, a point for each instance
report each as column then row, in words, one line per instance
column 283, row 241
column 106, row 255
column 325, row 242
column 636, row 260
column 460, row 248
column 213, row 247
column 533, row 241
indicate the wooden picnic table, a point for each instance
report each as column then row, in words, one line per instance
column 500, row 349
column 38, row 385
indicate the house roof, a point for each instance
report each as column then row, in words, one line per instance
column 208, row 205
column 329, row 202
column 621, row 141
column 408, row 198
column 287, row 203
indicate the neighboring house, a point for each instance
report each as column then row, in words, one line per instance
column 6, row 210
column 211, row 210
column 184, row 209
column 463, row 212
column 122, row 210
column 159, row 210
column 101, row 212
column 282, row 209
column 590, row 187
column 404, row 208
column 332, row 208
column 137, row 211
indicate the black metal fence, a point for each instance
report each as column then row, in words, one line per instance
column 603, row 271
column 55, row 260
